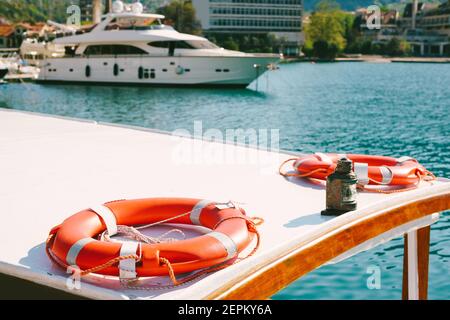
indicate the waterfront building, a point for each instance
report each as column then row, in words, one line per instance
column 12, row 35
column 282, row 18
column 6, row 36
column 427, row 28
column 388, row 24
column 437, row 19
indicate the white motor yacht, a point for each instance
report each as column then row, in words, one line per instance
column 132, row 47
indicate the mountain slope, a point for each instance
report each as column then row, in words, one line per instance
column 41, row 10
column 33, row 10
column 351, row 5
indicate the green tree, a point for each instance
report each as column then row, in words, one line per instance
column 324, row 50
column 327, row 30
column 397, row 47
column 230, row 44
column 347, row 21
column 181, row 15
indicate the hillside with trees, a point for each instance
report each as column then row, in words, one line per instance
column 350, row 5
column 42, row 10
column 33, row 10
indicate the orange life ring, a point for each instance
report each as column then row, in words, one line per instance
column 74, row 242
column 370, row 170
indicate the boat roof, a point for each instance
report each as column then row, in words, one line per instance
column 100, row 35
column 127, row 36
column 77, row 164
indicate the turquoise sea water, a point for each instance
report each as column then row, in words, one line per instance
column 390, row 109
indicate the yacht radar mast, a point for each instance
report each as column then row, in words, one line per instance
column 120, row 7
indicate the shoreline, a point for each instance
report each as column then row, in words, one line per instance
column 373, row 59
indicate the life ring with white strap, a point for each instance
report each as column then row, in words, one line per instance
column 369, row 170
column 77, row 242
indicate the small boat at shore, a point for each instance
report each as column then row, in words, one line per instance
column 34, row 51
column 14, row 69
column 132, row 47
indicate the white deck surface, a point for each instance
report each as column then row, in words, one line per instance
column 51, row 168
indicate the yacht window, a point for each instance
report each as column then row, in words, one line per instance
column 183, row 45
column 171, row 44
column 70, row 51
column 159, row 44
column 114, row 49
column 192, row 44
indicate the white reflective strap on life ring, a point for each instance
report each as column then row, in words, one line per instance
column 197, row 210
column 226, row 205
column 362, row 172
column 323, row 157
column 387, row 175
column 342, row 155
column 108, row 218
column 404, row 159
column 127, row 267
column 75, row 250
column 227, row 242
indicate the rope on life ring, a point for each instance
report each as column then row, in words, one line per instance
column 203, row 212
column 404, row 172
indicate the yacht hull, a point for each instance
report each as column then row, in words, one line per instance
column 139, row 84
column 234, row 71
